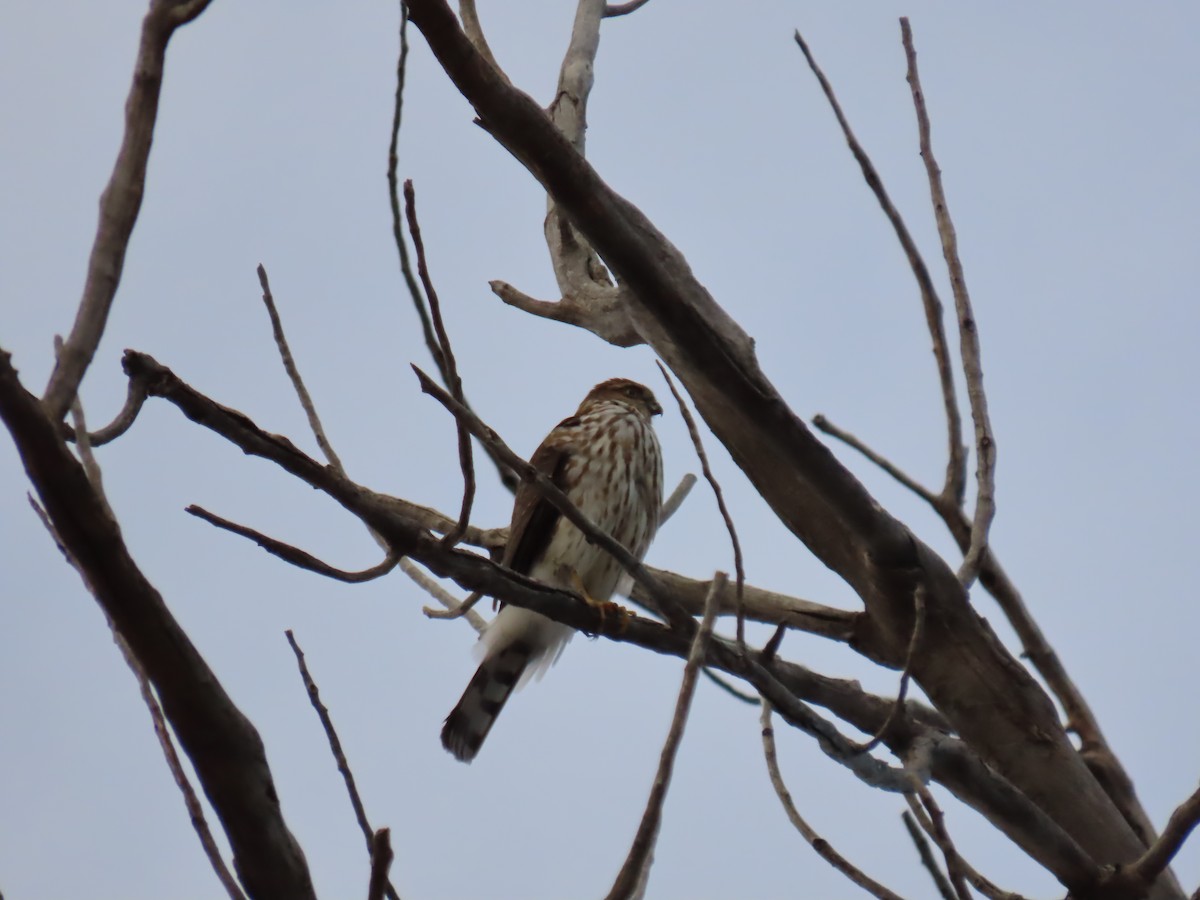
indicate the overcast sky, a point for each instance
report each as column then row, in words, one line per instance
column 1068, row 134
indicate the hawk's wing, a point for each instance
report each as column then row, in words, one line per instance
column 534, row 517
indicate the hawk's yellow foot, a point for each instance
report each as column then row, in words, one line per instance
column 606, row 608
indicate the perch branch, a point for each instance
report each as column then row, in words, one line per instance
column 339, row 756
column 822, row 847
column 404, row 525
column 968, row 334
column 636, row 869
column 739, row 566
column 119, row 204
column 135, row 396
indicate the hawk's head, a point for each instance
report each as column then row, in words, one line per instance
column 626, row 392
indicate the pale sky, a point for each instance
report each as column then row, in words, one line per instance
column 1068, row 135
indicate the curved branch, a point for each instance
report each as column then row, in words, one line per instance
column 295, row 555
column 612, row 10
column 823, row 848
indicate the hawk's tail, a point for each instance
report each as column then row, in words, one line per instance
column 495, row 680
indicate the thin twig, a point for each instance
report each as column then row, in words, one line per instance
column 968, row 334
column 1156, row 859
column 474, row 32
column 455, row 612
column 956, row 464
column 190, row 800
column 934, row 825
column 119, row 204
column 738, row 565
column 672, row 503
column 450, row 373
column 441, row 595
column 927, row 860
column 729, row 688
column 914, row 639
column 295, row 555
column 135, row 396
column 822, row 847
column 335, row 745
column 381, row 861
column 612, row 10
column 636, row 868
column 929, row 814
column 823, row 424
column 289, row 363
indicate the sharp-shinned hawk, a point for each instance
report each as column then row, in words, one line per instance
column 606, row 459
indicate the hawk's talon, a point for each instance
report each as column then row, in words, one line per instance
column 605, row 608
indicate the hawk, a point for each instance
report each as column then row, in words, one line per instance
column 606, row 459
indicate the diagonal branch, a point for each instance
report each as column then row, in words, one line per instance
column 631, row 880
column 119, row 204
column 339, row 756
column 224, row 747
column 289, row 364
column 927, row 860
column 968, row 334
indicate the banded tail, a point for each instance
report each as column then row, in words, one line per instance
column 494, row 681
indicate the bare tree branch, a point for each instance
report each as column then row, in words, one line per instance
column 985, row 441
column 225, row 749
column 119, row 204
column 822, row 847
column 450, row 373
column 739, row 566
column 671, row 504
column 470, row 22
column 945, row 891
column 1094, row 747
column 636, row 868
column 381, row 861
column 135, row 396
column 898, row 709
column 442, row 596
column 289, row 363
column 339, row 756
column 190, row 800
column 295, row 555
column 956, row 465
column 1137, row 878
column 934, row 823
column 612, row 10
column 403, row 525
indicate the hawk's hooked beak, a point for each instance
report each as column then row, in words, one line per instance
column 655, row 409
